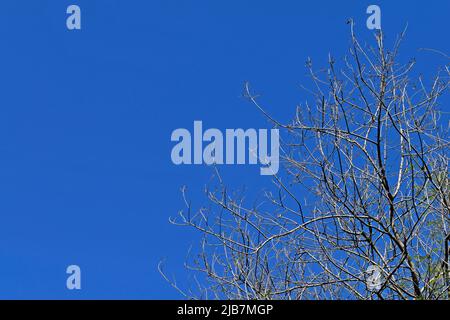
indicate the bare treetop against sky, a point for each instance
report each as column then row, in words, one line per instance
column 318, row 129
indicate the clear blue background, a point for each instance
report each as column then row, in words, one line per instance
column 86, row 117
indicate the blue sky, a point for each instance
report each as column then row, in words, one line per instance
column 86, row 116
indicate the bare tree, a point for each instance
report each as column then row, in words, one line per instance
column 364, row 182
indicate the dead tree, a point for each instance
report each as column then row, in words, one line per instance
column 364, row 182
